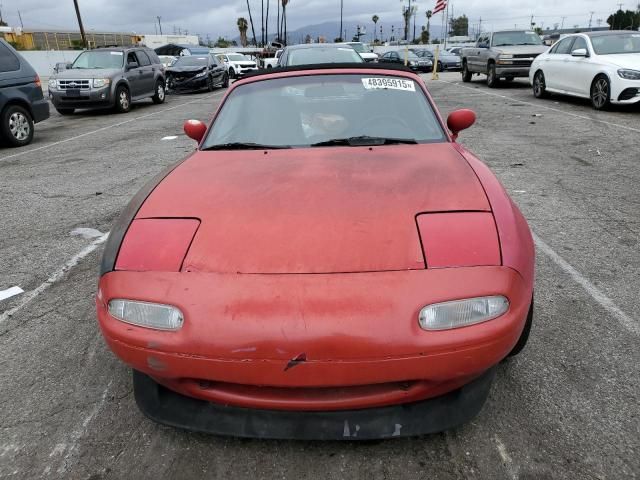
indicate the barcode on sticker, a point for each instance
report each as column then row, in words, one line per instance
column 389, row 83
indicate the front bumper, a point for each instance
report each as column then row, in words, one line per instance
column 188, row 84
column 313, row 342
column 512, row 71
column 428, row 416
column 242, row 71
column 93, row 98
column 625, row 91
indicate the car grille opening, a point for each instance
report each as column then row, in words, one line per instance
column 74, row 84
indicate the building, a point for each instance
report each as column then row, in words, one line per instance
column 32, row 39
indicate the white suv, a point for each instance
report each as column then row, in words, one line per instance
column 237, row 64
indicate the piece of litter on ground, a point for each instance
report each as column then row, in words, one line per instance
column 598, row 152
column 517, row 164
column 170, row 137
column 536, row 115
column 88, row 233
column 11, row 292
column 519, row 191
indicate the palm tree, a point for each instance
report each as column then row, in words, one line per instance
column 429, row 15
column 266, row 24
column 375, row 19
column 284, row 18
column 243, row 26
column 253, row 30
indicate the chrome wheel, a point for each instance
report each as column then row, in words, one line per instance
column 539, row 87
column 600, row 93
column 19, row 126
column 124, row 100
column 160, row 92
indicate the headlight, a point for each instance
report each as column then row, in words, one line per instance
column 148, row 315
column 201, row 74
column 629, row 74
column 412, row 62
column 505, row 55
column 461, row 313
column 101, row 82
column 53, row 83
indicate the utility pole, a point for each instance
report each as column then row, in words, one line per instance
column 159, row 23
column 562, row 24
column 341, row 10
column 531, row 22
column 590, row 19
column 480, row 27
column 20, row 17
column 84, row 37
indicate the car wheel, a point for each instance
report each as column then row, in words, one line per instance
column 225, row 81
column 492, row 78
column 524, row 336
column 539, row 85
column 210, row 86
column 17, row 126
column 466, row 74
column 600, row 93
column 123, row 99
column 440, row 68
column 160, row 94
column 65, row 111
column 232, row 73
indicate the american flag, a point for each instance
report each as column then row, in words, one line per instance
column 440, row 6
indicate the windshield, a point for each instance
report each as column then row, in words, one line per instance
column 503, row 39
column 309, row 56
column 358, row 47
column 95, row 59
column 190, row 62
column 325, row 108
column 618, row 43
column 237, row 58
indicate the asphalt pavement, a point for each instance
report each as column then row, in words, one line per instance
column 567, row 408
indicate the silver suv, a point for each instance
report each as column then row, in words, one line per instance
column 108, row 78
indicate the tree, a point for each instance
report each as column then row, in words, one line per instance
column 424, row 36
column 429, row 15
column 284, row 18
column 627, row 20
column 375, row 19
column 243, row 26
column 253, row 30
column 459, row 26
column 222, row 43
column 307, row 39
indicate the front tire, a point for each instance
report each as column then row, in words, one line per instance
column 600, row 93
column 160, row 94
column 232, row 73
column 225, row 81
column 492, row 77
column 524, row 337
column 210, row 86
column 466, row 74
column 440, row 68
column 17, row 126
column 123, row 99
column 539, row 85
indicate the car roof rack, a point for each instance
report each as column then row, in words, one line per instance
column 330, row 66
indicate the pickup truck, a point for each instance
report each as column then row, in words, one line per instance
column 501, row 55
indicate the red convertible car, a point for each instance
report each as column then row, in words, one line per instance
column 328, row 264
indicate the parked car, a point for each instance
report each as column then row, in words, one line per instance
column 22, row 103
column 167, row 60
column 364, row 50
column 500, row 55
column 317, row 53
column 109, row 78
column 237, row 64
column 446, row 61
column 602, row 66
column 195, row 72
column 271, row 62
column 347, row 272
column 455, row 50
column 414, row 62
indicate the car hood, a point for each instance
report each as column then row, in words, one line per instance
column 622, row 60
column 322, row 210
column 522, row 49
column 186, row 69
column 81, row 73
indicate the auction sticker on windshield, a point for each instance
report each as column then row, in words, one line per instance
column 389, row 83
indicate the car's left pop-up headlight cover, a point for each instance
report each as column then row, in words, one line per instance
column 156, row 244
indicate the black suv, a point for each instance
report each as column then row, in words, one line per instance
column 21, row 100
column 109, row 78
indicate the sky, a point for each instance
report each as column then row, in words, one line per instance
column 218, row 17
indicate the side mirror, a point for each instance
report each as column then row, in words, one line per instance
column 460, row 120
column 580, row 52
column 195, row 129
column 132, row 65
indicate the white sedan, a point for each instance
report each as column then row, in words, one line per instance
column 603, row 66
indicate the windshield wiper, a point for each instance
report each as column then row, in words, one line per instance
column 363, row 141
column 527, row 43
column 504, row 45
column 244, row 146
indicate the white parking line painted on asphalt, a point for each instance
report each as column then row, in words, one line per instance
column 170, row 137
column 625, row 320
column 10, row 292
column 539, row 105
column 108, row 127
column 57, row 275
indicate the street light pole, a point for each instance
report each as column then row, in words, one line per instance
column 341, row 10
column 84, row 37
column 159, row 23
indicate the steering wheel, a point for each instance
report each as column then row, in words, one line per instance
column 385, row 121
